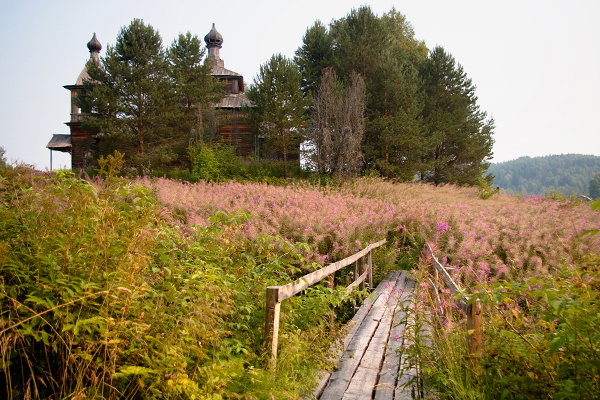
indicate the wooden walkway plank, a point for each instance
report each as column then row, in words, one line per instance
column 352, row 326
column 341, row 378
column 388, row 374
column 360, row 376
column 407, row 373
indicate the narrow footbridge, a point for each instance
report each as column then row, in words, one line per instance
column 370, row 367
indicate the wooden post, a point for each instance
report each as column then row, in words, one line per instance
column 332, row 308
column 361, row 270
column 370, row 270
column 272, row 322
column 356, row 274
column 475, row 324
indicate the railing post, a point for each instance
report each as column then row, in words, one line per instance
column 331, row 280
column 475, row 327
column 370, row 270
column 361, row 270
column 356, row 273
column 272, row 322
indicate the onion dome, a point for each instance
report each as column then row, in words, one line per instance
column 213, row 38
column 94, row 44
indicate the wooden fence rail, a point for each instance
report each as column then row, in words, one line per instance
column 474, row 310
column 276, row 294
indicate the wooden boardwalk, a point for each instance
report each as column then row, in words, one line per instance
column 369, row 367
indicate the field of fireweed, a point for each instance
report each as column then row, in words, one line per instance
column 479, row 241
column 113, row 288
column 527, row 259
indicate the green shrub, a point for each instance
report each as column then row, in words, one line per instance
column 541, row 339
column 104, row 295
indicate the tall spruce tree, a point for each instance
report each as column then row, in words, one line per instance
column 315, row 54
column 384, row 51
column 279, row 114
column 459, row 136
column 396, row 140
column 195, row 88
column 131, row 99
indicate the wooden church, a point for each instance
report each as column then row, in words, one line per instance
column 230, row 121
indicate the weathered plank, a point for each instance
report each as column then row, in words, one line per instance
column 351, row 328
column 391, row 363
column 357, row 282
column 364, row 380
column 341, row 378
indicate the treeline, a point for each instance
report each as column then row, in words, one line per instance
column 151, row 102
column 422, row 120
column 362, row 94
column 566, row 173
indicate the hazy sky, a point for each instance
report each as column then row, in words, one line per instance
column 536, row 63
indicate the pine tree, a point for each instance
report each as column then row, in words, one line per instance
column 456, row 129
column 395, row 136
column 195, row 88
column 279, row 114
column 132, row 100
column 315, row 54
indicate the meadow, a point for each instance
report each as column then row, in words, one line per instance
column 154, row 288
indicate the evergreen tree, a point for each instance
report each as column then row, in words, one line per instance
column 384, row 51
column 315, row 54
column 457, row 132
column 280, row 106
column 132, row 100
column 595, row 187
column 395, row 142
column 195, row 88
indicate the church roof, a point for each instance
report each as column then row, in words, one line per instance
column 60, row 142
column 222, row 71
column 234, row 101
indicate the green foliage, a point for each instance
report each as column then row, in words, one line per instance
column 484, row 183
column 148, row 102
column 216, row 164
column 113, row 164
column 104, row 294
column 458, row 136
column 313, row 56
column 543, row 335
column 566, row 173
column 595, row 187
column 540, row 339
column 280, row 106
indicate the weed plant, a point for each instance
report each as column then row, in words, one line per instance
column 104, row 294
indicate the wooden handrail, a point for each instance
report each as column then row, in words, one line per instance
column 276, row 294
column 473, row 310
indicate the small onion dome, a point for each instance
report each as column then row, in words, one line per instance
column 94, row 44
column 213, row 38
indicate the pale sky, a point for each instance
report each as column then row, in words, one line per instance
column 536, row 63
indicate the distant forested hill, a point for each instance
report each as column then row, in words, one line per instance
column 567, row 173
